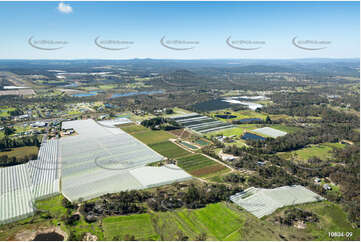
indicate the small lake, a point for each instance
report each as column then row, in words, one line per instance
column 250, row 136
column 89, row 94
column 247, row 120
column 52, row 236
column 128, row 94
column 71, row 85
column 225, row 116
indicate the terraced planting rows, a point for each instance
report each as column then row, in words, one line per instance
column 170, row 150
column 199, row 165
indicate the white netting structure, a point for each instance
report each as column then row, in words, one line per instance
column 261, row 202
column 21, row 185
column 159, row 175
column 45, row 171
column 274, row 133
column 96, row 161
column 16, row 199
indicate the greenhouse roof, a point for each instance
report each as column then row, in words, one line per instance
column 261, row 202
column 96, row 161
column 274, row 133
column 21, row 185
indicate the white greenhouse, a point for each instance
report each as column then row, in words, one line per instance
column 261, row 202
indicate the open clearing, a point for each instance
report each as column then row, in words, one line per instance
column 223, row 221
column 4, row 112
column 242, row 114
column 322, row 151
column 150, row 137
column 21, row 152
column 138, row 225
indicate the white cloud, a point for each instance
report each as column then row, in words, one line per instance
column 65, row 8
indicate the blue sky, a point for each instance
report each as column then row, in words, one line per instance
column 209, row 23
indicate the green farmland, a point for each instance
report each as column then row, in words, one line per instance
column 4, row 112
column 322, row 151
column 146, row 135
column 195, row 164
column 199, row 165
column 138, row 225
column 21, row 152
column 239, row 114
column 216, row 222
column 169, row 149
column 224, row 221
column 150, row 137
column 133, row 129
column 219, row 221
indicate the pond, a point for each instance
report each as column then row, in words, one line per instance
column 89, row 94
column 71, row 85
column 52, row 236
column 247, row 120
column 226, row 116
column 250, row 136
column 128, row 94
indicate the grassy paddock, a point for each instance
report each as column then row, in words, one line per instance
column 219, row 221
column 150, row 137
column 137, row 225
column 170, row 150
column 242, row 114
column 21, row 152
column 322, row 151
column 131, row 129
column 216, row 220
